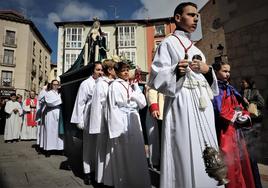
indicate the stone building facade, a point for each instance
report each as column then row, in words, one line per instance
column 212, row 43
column 24, row 55
column 246, row 31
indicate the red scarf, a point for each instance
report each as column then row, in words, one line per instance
column 31, row 115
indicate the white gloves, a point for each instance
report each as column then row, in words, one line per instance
column 135, row 87
column 242, row 119
column 80, row 125
column 236, row 114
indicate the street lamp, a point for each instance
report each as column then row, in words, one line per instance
column 220, row 56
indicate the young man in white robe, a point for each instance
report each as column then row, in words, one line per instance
column 29, row 129
column 188, row 111
column 80, row 116
column 98, row 122
column 52, row 140
column 40, row 116
column 127, row 150
column 13, row 120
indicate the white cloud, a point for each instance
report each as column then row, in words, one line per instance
column 52, row 17
column 157, row 9
column 160, row 8
column 163, row 9
column 74, row 11
column 78, row 11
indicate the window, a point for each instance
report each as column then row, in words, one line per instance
column 69, row 61
column 34, row 45
column 106, row 36
column 33, row 68
column 159, row 30
column 126, row 36
column 46, row 61
column 8, row 57
column 129, row 54
column 40, row 56
column 6, row 78
column 73, row 37
column 10, row 37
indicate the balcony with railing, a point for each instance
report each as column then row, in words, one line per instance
column 10, row 41
column 40, row 75
column 7, row 61
column 7, row 82
column 33, row 70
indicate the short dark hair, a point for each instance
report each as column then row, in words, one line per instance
column 180, row 7
column 217, row 65
column 94, row 66
column 120, row 65
column 12, row 94
column 249, row 81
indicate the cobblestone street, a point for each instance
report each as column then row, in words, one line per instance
column 22, row 167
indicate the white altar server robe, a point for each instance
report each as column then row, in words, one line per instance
column 81, row 114
column 182, row 165
column 128, row 159
column 98, row 125
column 52, row 141
column 13, row 120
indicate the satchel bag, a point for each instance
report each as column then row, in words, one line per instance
column 252, row 109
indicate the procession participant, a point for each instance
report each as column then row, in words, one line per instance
column 98, row 122
column 29, row 130
column 20, row 100
column 127, row 150
column 230, row 117
column 52, row 141
column 80, row 116
column 252, row 97
column 40, row 115
column 13, row 119
column 154, row 119
column 188, row 111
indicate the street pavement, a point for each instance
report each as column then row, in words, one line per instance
column 22, row 167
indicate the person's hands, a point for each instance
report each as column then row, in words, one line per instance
column 33, row 106
column 80, row 125
column 15, row 110
column 199, row 66
column 246, row 101
column 155, row 114
column 182, row 66
column 135, row 86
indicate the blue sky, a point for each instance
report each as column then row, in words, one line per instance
column 45, row 12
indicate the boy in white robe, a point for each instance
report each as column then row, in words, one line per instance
column 188, row 111
column 80, row 116
column 98, row 122
column 128, row 159
column 52, row 141
column 13, row 120
column 29, row 129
